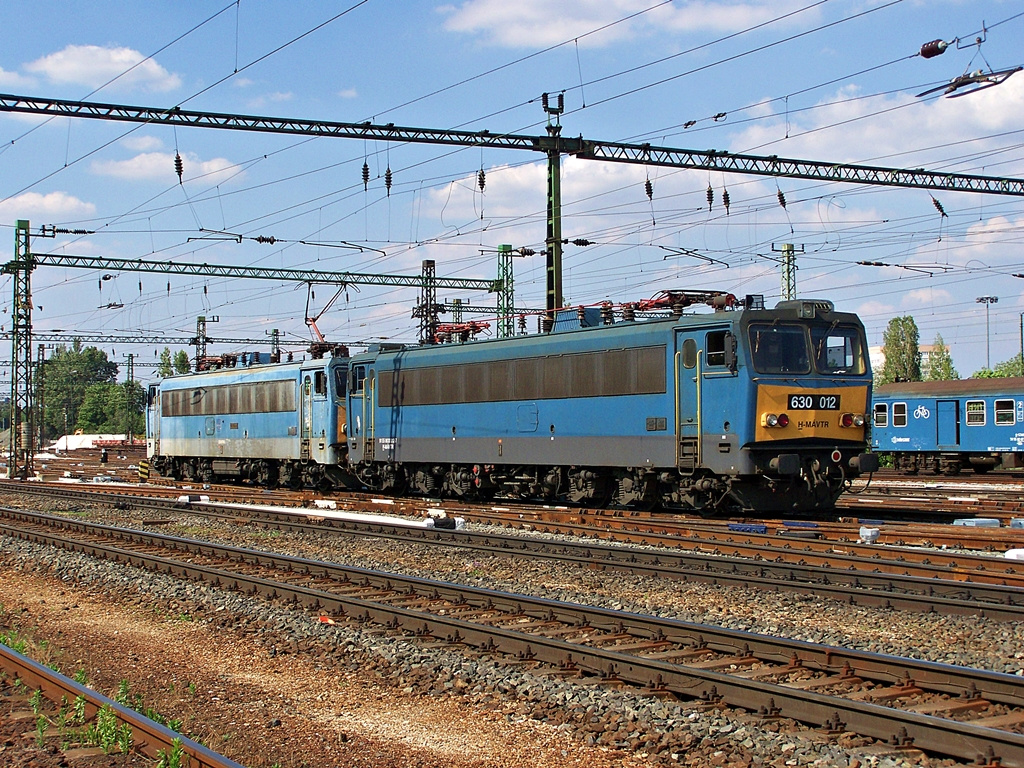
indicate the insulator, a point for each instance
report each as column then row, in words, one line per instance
column 711, row 197
column 782, row 198
column 649, row 189
column 204, row 290
column 934, row 48
column 387, row 180
column 720, row 116
column 689, row 124
column 938, row 206
column 179, row 166
column 168, row 287
column 582, row 243
column 725, row 200
column 544, row 101
column 366, row 176
column 527, row 252
column 140, row 287
column 266, row 239
column 481, row 179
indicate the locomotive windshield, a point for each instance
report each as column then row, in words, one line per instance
column 779, row 348
column 838, row 349
column 789, row 349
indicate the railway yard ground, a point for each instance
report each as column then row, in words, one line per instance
column 276, row 681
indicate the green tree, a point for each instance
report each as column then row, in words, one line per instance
column 1003, row 370
column 182, row 364
column 112, row 409
column 902, row 351
column 165, row 367
column 68, row 373
column 941, row 368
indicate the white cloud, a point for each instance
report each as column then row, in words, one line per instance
column 92, row 66
column 160, row 165
column 348, row 93
column 52, row 206
column 142, row 143
column 269, row 98
column 926, row 297
column 538, row 23
column 14, row 80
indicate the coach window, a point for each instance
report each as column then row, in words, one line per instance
column 975, row 413
column 899, row 414
column 320, row 383
column 881, row 414
column 1005, row 412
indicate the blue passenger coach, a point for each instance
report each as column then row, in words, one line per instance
column 945, row 426
column 279, row 423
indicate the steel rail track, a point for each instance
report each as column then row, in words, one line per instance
column 626, row 634
column 846, row 578
column 961, row 588
column 148, row 737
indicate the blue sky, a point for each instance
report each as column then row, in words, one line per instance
column 830, row 81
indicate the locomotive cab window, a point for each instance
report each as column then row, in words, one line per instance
column 881, row 414
column 779, row 349
column 320, row 383
column 358, row 377
column 340, row 383
column 838, row 350
column 1005, row 412
column 899, row 414
column 975, row 413
column 714, row 346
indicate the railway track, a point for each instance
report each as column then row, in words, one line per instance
column 964, row 713
column 905, row 579
column 145, row 736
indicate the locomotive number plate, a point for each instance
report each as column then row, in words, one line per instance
column 803, row 402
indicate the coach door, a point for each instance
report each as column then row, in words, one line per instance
column 947, row 424
column 687, row 372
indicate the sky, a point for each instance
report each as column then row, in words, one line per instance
column 826, row 80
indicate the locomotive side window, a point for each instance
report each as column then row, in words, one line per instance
column 714, row 346
column 899, row 414
column 340, row 383
column 320, row 383
column 779, row 349
column 689, row 353
column 1005, row 412
column 358, row 377
column 881, row 414
column 838, row 350
column 975, row 413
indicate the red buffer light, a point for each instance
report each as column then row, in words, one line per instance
column 847, row 420
column 783, row 420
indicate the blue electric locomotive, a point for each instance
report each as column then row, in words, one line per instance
column 742, row 408
column 737, row 409
column 944, row 426
column 269, row 424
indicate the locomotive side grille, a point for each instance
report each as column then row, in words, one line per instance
column 639, row 371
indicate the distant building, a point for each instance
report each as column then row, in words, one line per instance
column 878, row 358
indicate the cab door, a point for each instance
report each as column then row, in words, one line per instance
column 360, row 412
column 687, row 372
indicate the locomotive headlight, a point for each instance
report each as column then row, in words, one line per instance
column 858, row 420
column 769, row 420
